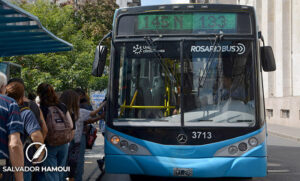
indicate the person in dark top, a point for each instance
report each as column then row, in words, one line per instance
column 32, row 129
column 57, row 155
column 33, row 107
column 84, row 100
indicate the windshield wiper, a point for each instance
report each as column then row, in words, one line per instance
column 202, row 78
column 149, row 42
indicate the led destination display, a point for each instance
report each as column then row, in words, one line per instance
column 185, row 23
column 190, row 21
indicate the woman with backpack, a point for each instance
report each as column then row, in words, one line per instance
column 71, row 99
column 32, row 129
column 60, row 131
column 82, row 116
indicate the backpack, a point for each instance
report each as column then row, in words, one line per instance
column 59, row 127
column 91, row 136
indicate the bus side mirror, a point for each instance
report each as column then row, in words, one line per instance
column 267, row 59
column 99, row 61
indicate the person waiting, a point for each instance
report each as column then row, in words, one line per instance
column 32, row 129
column 11, row 129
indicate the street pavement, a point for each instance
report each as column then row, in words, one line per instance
column 284, row 131
column 283, row 159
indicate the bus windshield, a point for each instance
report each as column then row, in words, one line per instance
column 217, row 84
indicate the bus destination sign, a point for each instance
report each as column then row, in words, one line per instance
column 189, row 21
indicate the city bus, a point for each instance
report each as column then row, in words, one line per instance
column 185, row 93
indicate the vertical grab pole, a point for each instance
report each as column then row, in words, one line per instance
column 181, row 82
column 165, row 97
column 168, row 102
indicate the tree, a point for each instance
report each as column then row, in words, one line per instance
column 83, row 26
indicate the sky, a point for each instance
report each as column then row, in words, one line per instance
column 155, row 2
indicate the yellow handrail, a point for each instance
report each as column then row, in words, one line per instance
column 147, row 107
column 134, row 97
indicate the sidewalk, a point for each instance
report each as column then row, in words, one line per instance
column 284, row 131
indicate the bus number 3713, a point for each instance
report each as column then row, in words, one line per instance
column 201, row 135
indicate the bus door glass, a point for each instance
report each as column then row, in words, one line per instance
column 218, row 84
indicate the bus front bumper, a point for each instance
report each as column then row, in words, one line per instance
column 200, row 167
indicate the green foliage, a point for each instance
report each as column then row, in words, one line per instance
column 82, row 26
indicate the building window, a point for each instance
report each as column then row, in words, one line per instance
column 269, row 113
column 285, row 113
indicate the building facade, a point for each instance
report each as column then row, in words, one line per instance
column 128, row 3
column 279, row 21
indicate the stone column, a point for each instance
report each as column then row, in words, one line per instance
column 286, row 48
column 277, row 47
column 264, row 30
column 258, row 10
column 296, row 47
column 271, row 42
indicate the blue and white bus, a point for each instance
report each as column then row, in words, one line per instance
column 185, row 94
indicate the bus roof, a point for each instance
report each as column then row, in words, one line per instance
column 185, row 7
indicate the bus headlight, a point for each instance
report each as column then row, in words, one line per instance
column 243, row 146
column 123, row 144
column 233, row 150
column 115, row 140
column 133, row 148
column 253, row 142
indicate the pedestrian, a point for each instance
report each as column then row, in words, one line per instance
column 33, row 106
column 71, row 99
column 32, row 129
column 57, row 139
column 77, row 147
column 84, row 99
column 11, row 128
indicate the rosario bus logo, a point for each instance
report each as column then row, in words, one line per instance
column 239, row 48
